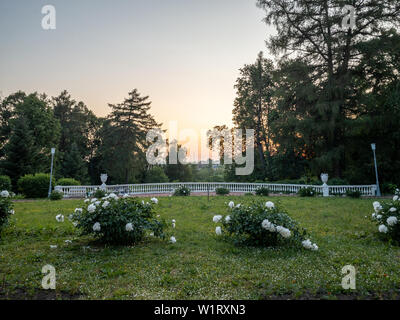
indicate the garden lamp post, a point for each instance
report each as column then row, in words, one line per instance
column 378, row 191
column 53, row 151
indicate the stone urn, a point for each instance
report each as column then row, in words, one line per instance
column 325, row 188
column 103, row 178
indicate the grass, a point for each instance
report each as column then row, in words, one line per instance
column 200, row 265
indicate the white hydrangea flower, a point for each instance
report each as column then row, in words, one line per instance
column 60, row 218
column 129, row 227
column 5, row 194
column 173, row 220
column 91, row 208
column 75, row 223
column 392, row 209
column 78, row 210
column 53, row 247
column 125, row 195
column 97, row 202
column 217, row 218
column 379, row 217
column 173, row 224
column 154, row 200
column 12, row 211
column 377, row 206
column 231, row 204
column 314, row 247
column 93, row 200
column 391, row 221
column 270, row 205
column 172, row 239
column 382, row 228
column 307, row 244
column 373, row 215
column 238, row 205
column 284, row 232
column 68, row 241
column 86, row 200
column 267, row 225
column 227, row 219
column 96, row 227
column 395, row 198
column 218, row 231
column 113, row 196
column 105, row 204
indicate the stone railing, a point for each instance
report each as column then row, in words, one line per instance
column 168, row 188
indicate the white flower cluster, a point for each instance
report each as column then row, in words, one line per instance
column 284, row 232
column 391, row 221
column 4, row 194
column 309, row 245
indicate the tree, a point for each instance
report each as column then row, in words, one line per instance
column 156, row 174
column 78, row 129
column 311, row 31
column 253, row 106
column 123, row 145
column 31, row 120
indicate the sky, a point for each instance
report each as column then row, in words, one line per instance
column 184, row 54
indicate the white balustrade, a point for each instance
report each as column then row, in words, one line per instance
column 196, row 187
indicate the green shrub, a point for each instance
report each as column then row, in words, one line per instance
column 249, row 194
column 156, row 175
column 5, row 183
column 337, row 182
column 182, row 191
column 99, row 193
column 67, row 182
column 387, row 218
column 353, row 194
column 222, row 191
column 261, row 224
column 34, row 186
column 388, row 188
column 262, row 191
column 6, row 209
column 306, row 192
column 114, row 220
column 56, row 195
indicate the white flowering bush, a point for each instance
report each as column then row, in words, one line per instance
column 118, row 220
column 6, row 209
column 387, row 217
column 181, row 191
column 261, row 224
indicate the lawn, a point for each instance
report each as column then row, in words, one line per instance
column 200, row 265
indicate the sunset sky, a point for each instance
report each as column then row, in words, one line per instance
column 184, row 54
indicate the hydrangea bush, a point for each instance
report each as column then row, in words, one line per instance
column 6, row 209
column 387, row 217
column 181, row 191
column 261, row 224
column 117, row 220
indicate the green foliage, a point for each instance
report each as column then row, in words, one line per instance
column 31, row 131
column 34, row 185
column 120, row 221
column 182, row 191
column 67, row 182
column 5, row 183
column 156, row 175
column 262, row 191
column 56, row 195
column 259, row 225
column 122, row 147
column 6, row 209
column 222, row 191
column 353, row 194
column 99, row 193
column 306, row 192
column 387, row 218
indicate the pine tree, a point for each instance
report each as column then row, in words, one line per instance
column 123, row 147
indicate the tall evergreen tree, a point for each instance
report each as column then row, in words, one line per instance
column 123, row 139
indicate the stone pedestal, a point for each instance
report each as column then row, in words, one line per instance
column 103, row 178
column 325, row 188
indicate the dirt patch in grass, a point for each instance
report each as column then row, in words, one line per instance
column 8, row 292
